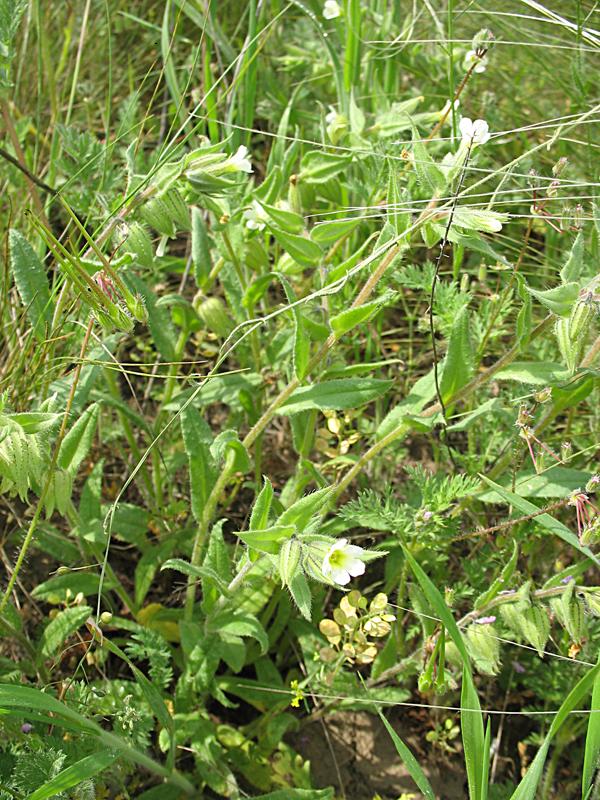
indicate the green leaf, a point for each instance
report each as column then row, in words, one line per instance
column 553, row 482
column 78, row 440
column 241, row 625
column 346, row 320
column 422, row 393
column 301, row 335
column 574, row 264
column 61, row 627
column 197, row 438
column 300, row 248
column 592, row 741
column 559, row 300
column 195, row 571
column 332, row 230
column 31, row 281
column 337, row 395
column 268, row 539
column 287, row 221
column 536, row 373
column 300, row 591
column 80, row 771
column 301, row 512
column 458, row 364
column 86, row 582
column 319, row 167
column 409, row 761
column 478, row 219
column 259, row 517
column 545, row 520
column 30, row 421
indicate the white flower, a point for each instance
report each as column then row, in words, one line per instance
column 342, row 562
column 239, row 161
column 331, row 9
column 331, row 117
column 479, row 61
column 256, row 217
column 474, row 132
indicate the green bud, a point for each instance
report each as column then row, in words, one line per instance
column 294, row 196
column 106, row 617
column 289, row 560
column 62, row 570
column 424, row 682
column 214, row 315
column 569, row 349
column 591, row 533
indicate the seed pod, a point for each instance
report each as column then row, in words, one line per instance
column 214, row 315
column 106, row 617
column 177, row 209
column 159, row 216
column 581, row 318
column 289, row 560
column 484, row 648
column 139, row 243
column 590, row 535
column 568, row 350
column 294, row 196
column 535, row 627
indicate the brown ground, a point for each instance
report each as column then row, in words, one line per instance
column 364, row 761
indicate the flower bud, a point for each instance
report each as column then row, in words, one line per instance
column 106, row 617
column 424, row 682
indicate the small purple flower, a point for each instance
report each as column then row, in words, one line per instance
column 568, row 579
column 485, row 620
column 26, row 727
column 427, row 515
column 518, row 667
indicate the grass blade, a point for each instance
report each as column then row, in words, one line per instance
column 410, row 762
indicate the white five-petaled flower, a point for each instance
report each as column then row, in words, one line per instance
column 239, row 162
column 331, row 9
column 256, row 217
column 472, row 133
column 343, row 561
column 479, row 61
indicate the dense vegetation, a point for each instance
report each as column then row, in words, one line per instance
column 299, row 399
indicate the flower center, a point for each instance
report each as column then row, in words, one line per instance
column 337, row 559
